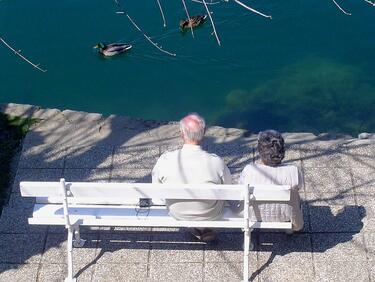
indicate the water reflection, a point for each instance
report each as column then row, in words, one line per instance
column 314, row 95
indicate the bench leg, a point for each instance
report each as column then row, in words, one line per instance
column 247, row 247
column 70, row 277
column 78, row 242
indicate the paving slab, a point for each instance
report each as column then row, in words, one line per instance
column 18, row 202
column 284, row 248
column 89, row 157
column 364, row 179
column 186, row 271
column 126, row 247
column 331, row 247
column 87, row 174
column 229, row 248
column 21, row 248
column 234, row 154
column 18, row 272
column 324, row 154
column 135, row 157
column 371, row 267
column 175, row 248
column 225, row 272
column 361, row 153
column 321, row 180
column 367, row 210
column 131, row 175
column 15, row 220
column 335, row 218
column 124, row 271
column 58, row 272
column 369, row 238
column 341, row 271
column 166, row 134
column 55, row 250
column 318, row 198
column 288, row 271
column 35, row 174
column 298, row 137
column 42, row 156
column 45, row 114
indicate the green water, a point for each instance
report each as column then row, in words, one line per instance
column 308, row 69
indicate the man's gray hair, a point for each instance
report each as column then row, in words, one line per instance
column 193, row 127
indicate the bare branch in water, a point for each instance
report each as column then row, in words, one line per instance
column 212, row 22
column 162, row 13
column 187, row 14
column 210, row 3
column 371, row 3
column 252, row 10
column 341, row 9
column 140, row 30
column 22, row 57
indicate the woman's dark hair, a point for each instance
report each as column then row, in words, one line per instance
column 271, row 147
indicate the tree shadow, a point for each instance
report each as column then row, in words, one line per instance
column 118, row 144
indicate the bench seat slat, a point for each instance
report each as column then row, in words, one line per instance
column 126, row 216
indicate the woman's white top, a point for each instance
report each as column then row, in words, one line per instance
column 254, row 174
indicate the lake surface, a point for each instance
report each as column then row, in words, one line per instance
column 310, row 68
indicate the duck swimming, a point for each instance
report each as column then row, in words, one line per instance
column 112, row 49
column 193, row 22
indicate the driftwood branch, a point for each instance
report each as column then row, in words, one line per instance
column 208, row 3
column 140, row 30
column 162, row 13
column 341, row 9
column 187, row 14
column 145, row 35
column 212, row 22
column 18, row 53
column 252, row 10
column 371, row 3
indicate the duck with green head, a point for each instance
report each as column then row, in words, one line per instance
column 112, row 49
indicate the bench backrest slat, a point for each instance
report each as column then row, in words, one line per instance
column 119, row 193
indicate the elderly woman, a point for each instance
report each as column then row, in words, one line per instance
column 270, row 170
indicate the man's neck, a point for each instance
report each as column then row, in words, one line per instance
column 192, row 143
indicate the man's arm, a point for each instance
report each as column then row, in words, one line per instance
column 227, row 176
column 156, row 173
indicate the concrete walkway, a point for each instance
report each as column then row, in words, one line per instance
column 337, row 244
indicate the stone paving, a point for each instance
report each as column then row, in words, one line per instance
column 337, row 243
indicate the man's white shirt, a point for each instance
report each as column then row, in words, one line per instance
column 190, row 165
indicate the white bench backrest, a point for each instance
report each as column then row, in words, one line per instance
column 125, row 193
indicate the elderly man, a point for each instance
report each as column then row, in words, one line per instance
column 191, row 164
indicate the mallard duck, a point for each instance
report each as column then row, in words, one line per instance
column 193, row 22
column 112, row 49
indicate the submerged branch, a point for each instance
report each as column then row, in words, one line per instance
column 341, row 9
column 212, row 22
column 187, row 14
column 210, row 3
column 22, row 57
column 162, row 13
column 252, row 10
column 145, row 35
column 371, row 3
column 140, row 30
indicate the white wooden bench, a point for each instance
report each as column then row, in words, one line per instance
column 76, row 204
